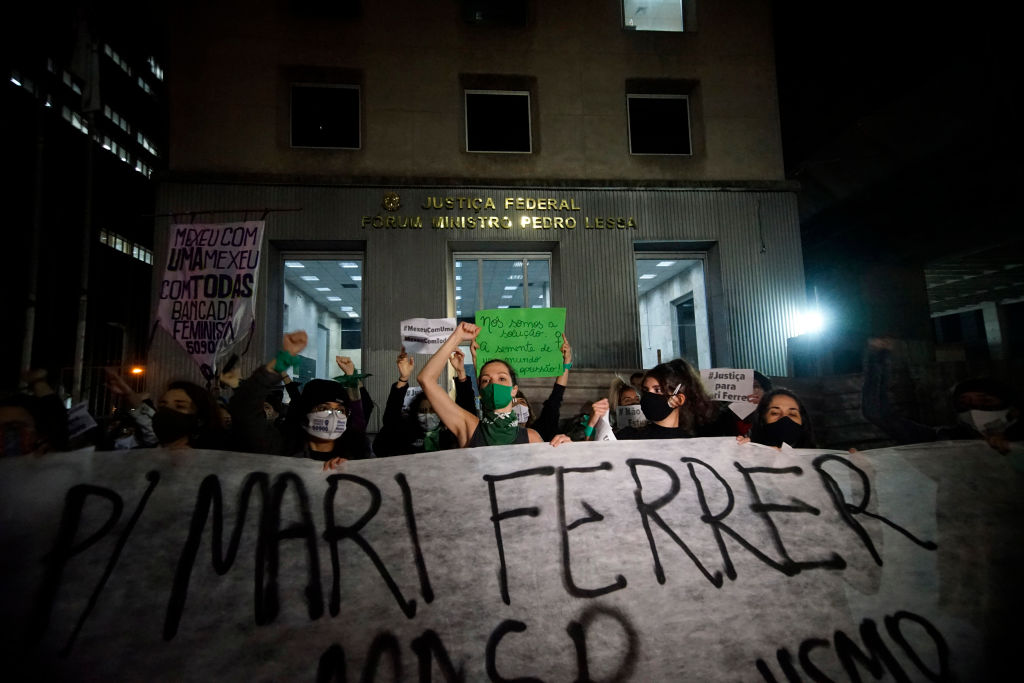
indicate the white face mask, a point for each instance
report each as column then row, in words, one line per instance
column 630, row 416
column 326, row 424
column 410, row 394
column 429, row 421
column 522, row 412
column 985, row 421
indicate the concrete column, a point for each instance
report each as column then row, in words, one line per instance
column 994, row 320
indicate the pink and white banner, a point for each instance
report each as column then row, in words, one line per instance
column 209, row 286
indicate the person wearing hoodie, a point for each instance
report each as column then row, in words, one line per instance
column 984, row 406
column 324, row 423
column 185, row 415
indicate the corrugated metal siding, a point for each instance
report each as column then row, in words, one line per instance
column 406, row 270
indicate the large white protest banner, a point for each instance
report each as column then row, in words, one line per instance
column 683, row 560
column 209, row 286
column 426, row 335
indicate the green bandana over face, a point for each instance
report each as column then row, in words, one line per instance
column 499, row 429
column 432, row 440
column 495, row 397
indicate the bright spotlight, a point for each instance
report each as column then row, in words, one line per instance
column 137, row 370
column 810, row 322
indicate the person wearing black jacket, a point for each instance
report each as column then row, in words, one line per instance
column 419, row 429
column 984, row 406
column 325, row 423
column 34, row 422
column 674, row 402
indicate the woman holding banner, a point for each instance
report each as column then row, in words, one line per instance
column 325, row 423
column 674, row 402
column 498, row 424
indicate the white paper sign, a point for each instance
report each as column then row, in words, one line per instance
column 727, row 384
column 79, row 420
column 426, row 335
column 742, row 408
column 603, row 430
column 676, row 560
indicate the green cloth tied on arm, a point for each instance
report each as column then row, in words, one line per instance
column 351, row 381
column 284, row 360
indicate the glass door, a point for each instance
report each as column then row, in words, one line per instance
column 672, row 300
column 499, row 280
column 323, row 295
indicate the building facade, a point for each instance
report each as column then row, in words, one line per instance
column 85, row 120
column 432, row 159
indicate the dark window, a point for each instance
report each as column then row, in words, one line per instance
column 326, row 9
column 498, row 121
column 495, row 12
column 325, row 116
column 963, row 329
column 351, row 333
column 659, row 124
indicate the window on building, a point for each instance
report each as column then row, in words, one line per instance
column 145, row 143
column 325, row 116
column 498, row 121
column 658, row 15
column 155, row 68
column 672, row 301
column 659, row 124
column 484, row 281
column 125, row 246
column 491, row 13
column 965, row 329
column 117, row 59
column 323, row 295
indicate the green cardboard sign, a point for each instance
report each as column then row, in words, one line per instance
column 529, row 339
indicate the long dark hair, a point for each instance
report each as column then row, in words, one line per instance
column 757, row 428
column 511, row 370
column 206, row 405
column 697, row 410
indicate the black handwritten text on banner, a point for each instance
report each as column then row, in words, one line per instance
column 209, row 286
column 649, row 561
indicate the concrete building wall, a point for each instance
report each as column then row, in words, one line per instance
column 232, row 62
column 751, row 240
column 231, row 67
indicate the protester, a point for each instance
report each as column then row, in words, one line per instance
column 324, row 423
column 185, row 416
column 33, row 422
column 781, row 418
column 546, row 423
column 985, row 407
column 419, row 429
column 353, row 380
column 731, row 424
column 674, row 401
column 498, row 424
column 624, row 405
column 582, row 427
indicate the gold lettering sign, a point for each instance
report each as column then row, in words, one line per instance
column 491, row 221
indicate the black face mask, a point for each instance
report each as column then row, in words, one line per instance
column 783, row 430
column 170, row 425
column 655, row 406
